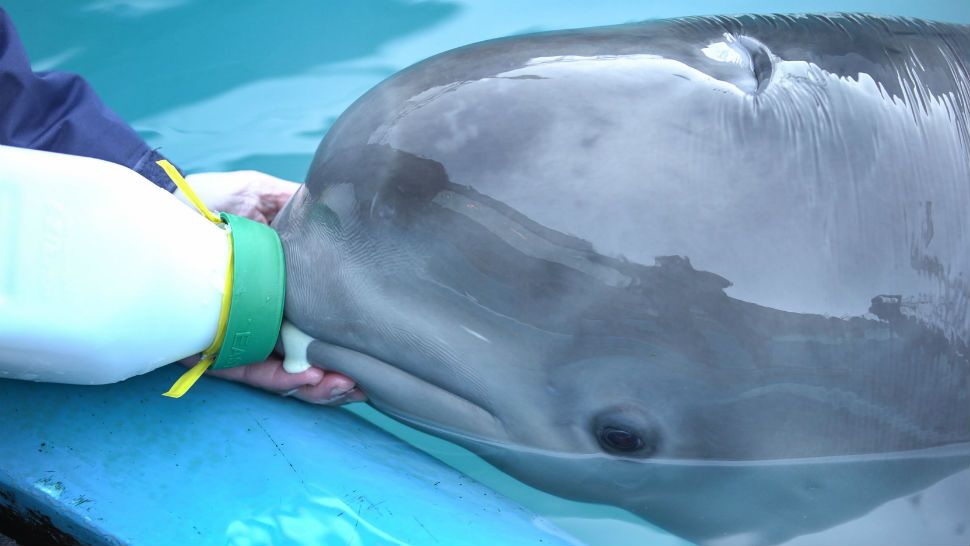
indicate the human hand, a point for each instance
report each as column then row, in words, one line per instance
column 259, row 196
column 313, row 385
column 250, row 194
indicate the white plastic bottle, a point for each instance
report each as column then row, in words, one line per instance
column 103, row 275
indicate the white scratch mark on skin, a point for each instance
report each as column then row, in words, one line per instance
column 476, row 334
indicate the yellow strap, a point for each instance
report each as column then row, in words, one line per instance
column 176, row 177
column 184, row 383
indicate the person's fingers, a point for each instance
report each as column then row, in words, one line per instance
column 250, row 194
column 281, row 185
column 251, row 206
column 274, row 193
column 269, row 207
column 269, row 184
column 334, row 390
column 274, row 206
column 260, row 217
column 351, row 396
column 354, row 395
column 313, row 385
column 270, row 375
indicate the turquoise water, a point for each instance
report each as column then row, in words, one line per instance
column 228, row 85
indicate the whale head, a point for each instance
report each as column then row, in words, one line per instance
column 681, row 267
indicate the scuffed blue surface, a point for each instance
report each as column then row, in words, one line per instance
column 232, row 465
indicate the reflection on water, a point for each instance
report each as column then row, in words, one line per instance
column 226, row 85
column 169, row 54
column 916, row 497
column 935, row 515
column 594, row 524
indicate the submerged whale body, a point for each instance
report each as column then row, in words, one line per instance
column 715, row 271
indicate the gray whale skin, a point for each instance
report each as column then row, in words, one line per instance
column 715, row 271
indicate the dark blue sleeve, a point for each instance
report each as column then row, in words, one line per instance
column 59, row 112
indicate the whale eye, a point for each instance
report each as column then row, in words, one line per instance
column 627, row 432
column 619, row 439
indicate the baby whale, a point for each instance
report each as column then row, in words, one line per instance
column 715, row 271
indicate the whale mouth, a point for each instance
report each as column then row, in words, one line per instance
column 408, row 397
